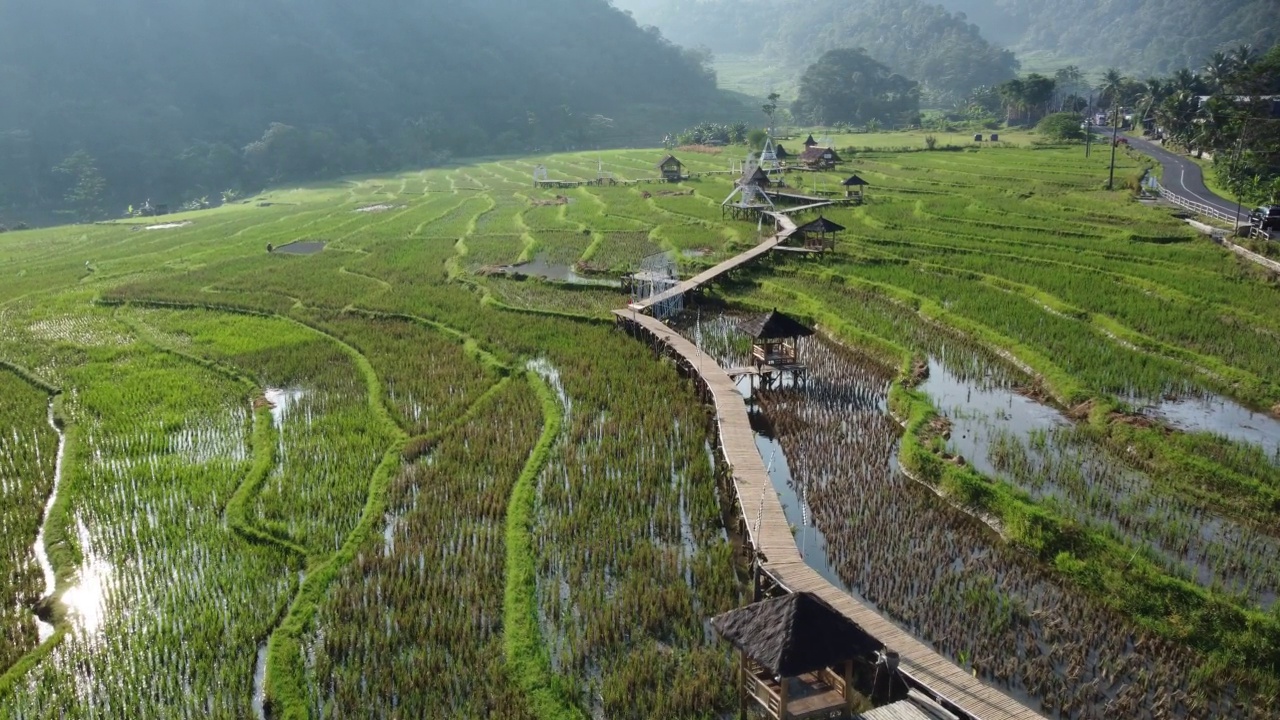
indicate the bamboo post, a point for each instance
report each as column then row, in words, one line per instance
column 742, row 685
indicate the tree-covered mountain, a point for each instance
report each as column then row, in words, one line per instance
column 942, row 51
column 106, row 104
column 1137, row 36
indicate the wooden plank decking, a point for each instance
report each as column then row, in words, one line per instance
column 770, row 534
column 706, row 276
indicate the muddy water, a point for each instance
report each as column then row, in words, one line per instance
column 260, row 683
column 977, row 408
column 939, row 573
column 44, row 629
column 1221, row 416
column 300, row 248
column 540, row 268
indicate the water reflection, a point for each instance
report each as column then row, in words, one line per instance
column 86, row 600
column 1220, row 416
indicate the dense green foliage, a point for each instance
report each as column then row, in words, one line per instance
column 1227, row 110
column 1061, row 126
column 945, row 54
column 847, row 86
column 1145, row 36
column 173, row 102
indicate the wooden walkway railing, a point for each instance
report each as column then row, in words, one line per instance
column 788, row 226
column 770, row 534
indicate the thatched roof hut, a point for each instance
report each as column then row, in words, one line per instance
column 756, row 177
column 791, row 648
column 775, row 326
column 819, row 234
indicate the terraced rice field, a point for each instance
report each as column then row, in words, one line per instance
column 391, row 478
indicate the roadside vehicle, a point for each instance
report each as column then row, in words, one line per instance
column 1266, row 217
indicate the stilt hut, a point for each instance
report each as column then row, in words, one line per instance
column 797, row 656
column 819, row 235
column 853, row 187
column 775, row 338
column 671, row 168
column 750, row 195
column 781, row 152
column 810, row 142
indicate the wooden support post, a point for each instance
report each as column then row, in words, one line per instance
column 742, row 685
column 848, row 687
column 782, row 700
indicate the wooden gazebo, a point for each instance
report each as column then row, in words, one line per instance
column 797, row 656
column 775, row 337
column 818, row 235
column 671, row 168
column 809, row 142
column 853, row 186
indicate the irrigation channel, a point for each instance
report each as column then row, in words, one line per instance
column 44, row 628
column 825, row 505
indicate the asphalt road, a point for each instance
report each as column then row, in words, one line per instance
column 1184, row 178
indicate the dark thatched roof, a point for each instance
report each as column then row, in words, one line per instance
column 795, row 634
column 817, row 154
column 758, row 177
column 775, row 326
column 781, row 152
column 810, row 142
column 854, row 180
column 821, row 225
column 668, row 159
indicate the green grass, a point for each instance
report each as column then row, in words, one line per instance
column 478, row 472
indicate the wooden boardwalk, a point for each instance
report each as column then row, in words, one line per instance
column 710, row 274
column 770, row 534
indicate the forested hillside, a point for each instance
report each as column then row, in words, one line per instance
column 154, row 99
column 947, row 55
column 1138, row 36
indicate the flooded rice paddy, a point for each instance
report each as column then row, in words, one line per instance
column 540, row 267
column 301, row 248
column 830, row 446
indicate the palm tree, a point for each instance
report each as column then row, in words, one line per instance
column 1176, row 114
column 1215, row 121
column 1112, row 84
column 1219, row 70
column 1186, row 81
column 1154, row 92
column 1068, row 80
column 1243, row 56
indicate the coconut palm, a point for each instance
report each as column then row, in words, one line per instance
column 1155, row 90
column 1218, row 71
column 1243, row 56
column 1111, row 87
column 1186, row 81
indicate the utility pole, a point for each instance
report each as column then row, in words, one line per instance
column 1088, row 126
column 1115, row 136
column 1235, row 170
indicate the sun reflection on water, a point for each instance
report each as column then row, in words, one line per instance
column 86, row 600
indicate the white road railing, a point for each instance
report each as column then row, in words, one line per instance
column 1198, row 208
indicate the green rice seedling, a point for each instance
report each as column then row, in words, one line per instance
column 154, row 580
column 28, row 454
column 376, row 644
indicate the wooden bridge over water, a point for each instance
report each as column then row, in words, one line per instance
column 768, row 530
